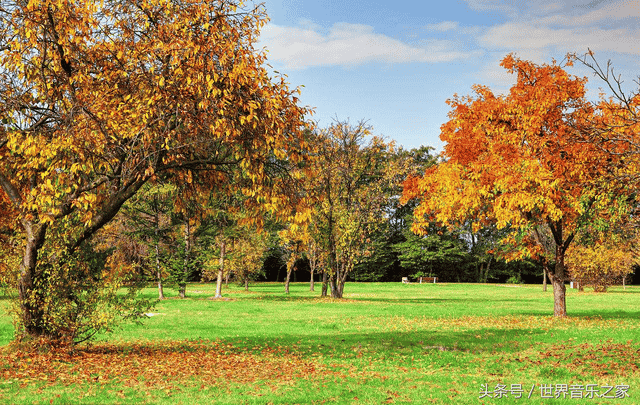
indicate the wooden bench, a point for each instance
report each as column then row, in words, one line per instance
column 432, row 280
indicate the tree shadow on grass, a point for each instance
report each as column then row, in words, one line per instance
column 440, row 299
column 317, row 299
column 399, row 344
column 603, row 314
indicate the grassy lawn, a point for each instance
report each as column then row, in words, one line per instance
column 383, row 343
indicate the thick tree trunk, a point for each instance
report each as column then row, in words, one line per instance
column 223, row 246
column 324, row 284
column 31, row 312
column 337, row 288
column 335, row 292
column 246, row 283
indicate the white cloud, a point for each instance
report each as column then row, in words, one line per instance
column 443, row 26
column 531, row 36
column 546, row 30
column 348, row 45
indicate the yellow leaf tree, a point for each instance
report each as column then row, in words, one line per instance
column 354, row 174
column 99, row 98
column 521, row 161
column 600, row 265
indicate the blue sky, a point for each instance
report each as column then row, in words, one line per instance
column 395, row 63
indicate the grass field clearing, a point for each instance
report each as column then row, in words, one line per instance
column 383, row 343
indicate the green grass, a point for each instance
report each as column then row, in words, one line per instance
column 383, row 343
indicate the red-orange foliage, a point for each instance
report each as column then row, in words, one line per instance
column 519, row 160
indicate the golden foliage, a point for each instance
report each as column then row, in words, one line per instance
column 99, row 98
column 600, row 265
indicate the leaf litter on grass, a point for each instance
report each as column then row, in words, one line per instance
column 508, row 322
column 157, row 365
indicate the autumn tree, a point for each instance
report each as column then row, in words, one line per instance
column 245, row 254
column 293, row 241
column 520, row 161
column 600, row 265
column 353, row 170
column 99, row 98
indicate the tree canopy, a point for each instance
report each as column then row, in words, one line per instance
column 99, row 98
column 521, row 161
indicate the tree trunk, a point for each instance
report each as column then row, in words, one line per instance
column 559, row 289
column 311, row 283
column 324, row 284
column 335, row 293
column 337, row 288
column 220, row 270
column 544, row 275
column 486, row 272
column 187, row 252
column 246, row 282
column 157, row 248
column 286, row 283
column 340, row 281
column 31, row 312
column 159, row 276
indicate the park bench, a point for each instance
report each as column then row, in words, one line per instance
column 432, row 280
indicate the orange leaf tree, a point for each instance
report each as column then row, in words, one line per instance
column 99, row 98
column 520, row 161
